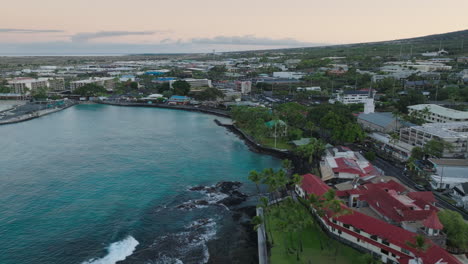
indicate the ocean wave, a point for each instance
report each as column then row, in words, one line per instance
column 117, row 251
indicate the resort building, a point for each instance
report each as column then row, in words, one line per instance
column 368, row 234
column 438, row 114
column 392, row 202
column 23, row 85
column 455, row 134
column 342, row 164
column 56, row 84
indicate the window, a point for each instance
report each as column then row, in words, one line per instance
column 339, row 232
column 383, row 251
column 346, row 226
column 385, row 242
column 374, row 237
column 334, row 221
column 357, row 230
column 405, row 251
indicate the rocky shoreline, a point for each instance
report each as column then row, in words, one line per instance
column 236, row 241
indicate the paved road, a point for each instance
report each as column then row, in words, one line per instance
column 391, row 170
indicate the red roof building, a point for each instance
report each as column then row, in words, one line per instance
column 341, row 163
column 373, row 235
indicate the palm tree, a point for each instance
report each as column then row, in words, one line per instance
column 263, row 203
column 419, row 244
column 256, row 177
column 257, row 222
column 312, row 151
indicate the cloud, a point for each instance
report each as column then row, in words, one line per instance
column 22, row 30
column 85, row 37
column 250, row 40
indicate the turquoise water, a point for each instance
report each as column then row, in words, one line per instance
column 98, row 184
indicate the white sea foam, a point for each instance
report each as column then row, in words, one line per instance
column 168, row 260
column 117, row 251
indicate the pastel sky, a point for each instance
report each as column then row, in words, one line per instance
column 122, row 26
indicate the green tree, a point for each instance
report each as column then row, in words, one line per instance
column 417, row 153
column 419, row 244
column 255, row 177
column 90, row 89
column 181, row 87
column 39, row 93
column 209, row 94
column 257, row 222
column 4, row 89
column 313, row 151
column 436, row 147
column 370, row 155
column 455, row 227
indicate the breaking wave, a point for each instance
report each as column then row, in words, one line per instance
column 117, row 251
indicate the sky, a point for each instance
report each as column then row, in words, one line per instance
column 180, row 26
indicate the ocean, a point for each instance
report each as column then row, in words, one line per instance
column 105, row 184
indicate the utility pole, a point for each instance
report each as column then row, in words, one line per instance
column 401, row 49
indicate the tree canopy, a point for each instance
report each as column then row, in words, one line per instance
column 455, row 227
column 90, row 89
column 181, row 87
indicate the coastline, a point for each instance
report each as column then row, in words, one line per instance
column 216, row 112
column 34, row 115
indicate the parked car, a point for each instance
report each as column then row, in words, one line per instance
column 419, row 187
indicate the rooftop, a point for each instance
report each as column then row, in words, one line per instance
column 440, row 110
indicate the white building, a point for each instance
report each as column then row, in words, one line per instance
column 342, row 163
column 309, row 89
column 194, row 83
column 438, row 114
column 107, row 82
column 355, row 97
column 448, row 173
column 288, row 75
column 456, row 134
column 245, row 87
column 23, row 85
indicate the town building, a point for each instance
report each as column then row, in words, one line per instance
column 107, row 82
column 342, row 164
column 381, row 122
column 438, row 114
column 369, row 234
column 194, row 83
column 178, row 100
column 454, row 134
column 448, row 173
column 355, row 97
column 288, row 75
column 245, row 87
column 460, row 194
column 394, row 148
column 309, row 89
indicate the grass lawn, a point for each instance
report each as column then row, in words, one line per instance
column 280, row 143
column 317, row 248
